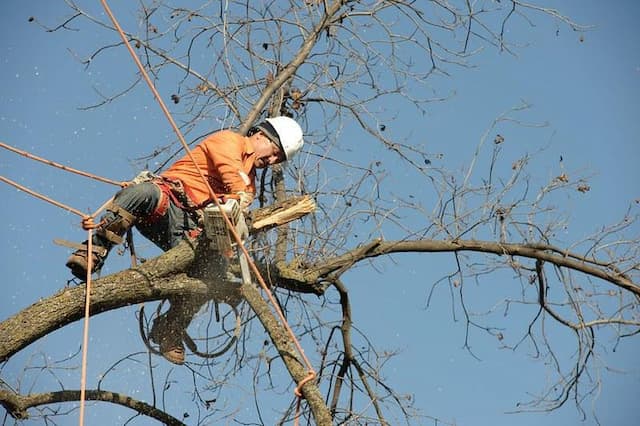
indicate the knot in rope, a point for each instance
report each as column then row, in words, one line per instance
column 298, row 390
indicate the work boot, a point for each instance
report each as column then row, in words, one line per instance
column 169, row 337
column 115, row 223
column 78, row 261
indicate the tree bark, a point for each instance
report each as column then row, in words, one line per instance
column 173, row 274
column 281, row 340
column 165, row 276
column 170, row 274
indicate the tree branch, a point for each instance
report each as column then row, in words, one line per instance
column 543, row 252
column 290, row 69
column 17, row 405
column 285, row 348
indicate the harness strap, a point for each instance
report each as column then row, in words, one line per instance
column 172, row 190
column 116, row 209
column 111, row 236
column 100, row 251
column 114, row 231
column 163, row 203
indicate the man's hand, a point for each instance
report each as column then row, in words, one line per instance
column 245, row 199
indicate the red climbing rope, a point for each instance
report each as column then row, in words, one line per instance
column 89, row 225
column 60, row 166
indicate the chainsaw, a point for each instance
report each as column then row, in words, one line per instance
column 220, row 238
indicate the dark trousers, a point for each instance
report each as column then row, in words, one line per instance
column 141, row 200
column 166, row 231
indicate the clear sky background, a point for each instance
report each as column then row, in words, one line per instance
column 586, row 86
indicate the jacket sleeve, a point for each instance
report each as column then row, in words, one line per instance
column 225, row 156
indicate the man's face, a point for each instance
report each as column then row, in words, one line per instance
column 267, row 153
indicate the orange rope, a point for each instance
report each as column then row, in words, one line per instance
column 88, row 225
column 252, row 265
column 42, row 197
column 60, row 166
column 85, row 334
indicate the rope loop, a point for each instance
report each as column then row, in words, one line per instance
column 298, row 390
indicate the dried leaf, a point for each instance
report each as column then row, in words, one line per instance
column 295, row 94
column 583, row 187
column 203, row 87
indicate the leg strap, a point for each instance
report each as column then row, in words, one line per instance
column 100, row 251
column 114, row 230
column 116, row 209
column 163, row 202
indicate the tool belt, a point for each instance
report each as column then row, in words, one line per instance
column 170, row 190
column 173, row 190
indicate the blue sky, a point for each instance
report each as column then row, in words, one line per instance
column 587, row 91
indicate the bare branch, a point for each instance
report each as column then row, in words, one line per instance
column 17, row 405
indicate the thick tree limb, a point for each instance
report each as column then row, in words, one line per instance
column 164, row 276
column 287, row 352
column 167, row 276
column 156, row 279
column 17, row 405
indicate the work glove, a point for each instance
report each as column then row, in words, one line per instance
column 245, row 199
column 243, row 229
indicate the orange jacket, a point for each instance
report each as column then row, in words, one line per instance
column 225, row 158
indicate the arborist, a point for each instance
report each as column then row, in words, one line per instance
column 166, row 208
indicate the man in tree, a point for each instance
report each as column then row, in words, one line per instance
column 166, row 208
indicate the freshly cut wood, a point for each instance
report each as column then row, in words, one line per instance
column 280, row 213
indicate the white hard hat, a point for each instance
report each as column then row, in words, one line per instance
column 288, row 134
